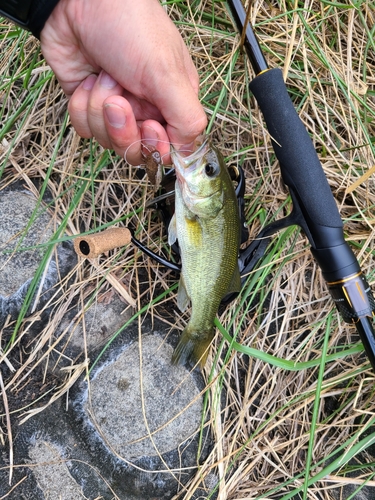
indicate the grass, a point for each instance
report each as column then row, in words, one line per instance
column 290, row 394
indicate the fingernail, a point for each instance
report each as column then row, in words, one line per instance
column 149, row 136
column 107, row 81
column 89, row 82
column 115, row 115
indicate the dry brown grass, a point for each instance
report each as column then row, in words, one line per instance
column 262, row 419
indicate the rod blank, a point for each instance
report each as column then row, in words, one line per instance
column 251, row 44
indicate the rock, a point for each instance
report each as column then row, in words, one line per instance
column 17, row 210
column 53, row 474
column 101, row 321
column 141, row 415
column 24, row 227
column 134, row 430
column 144, row 408
column 98, row 443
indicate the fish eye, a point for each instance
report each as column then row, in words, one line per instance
column 210, row 169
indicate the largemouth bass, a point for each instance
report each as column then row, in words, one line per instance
column 206, row 224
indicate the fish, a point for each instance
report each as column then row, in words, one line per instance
column 206, row 225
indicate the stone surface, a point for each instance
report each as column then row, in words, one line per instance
column 101, row 320
column 125, row 401
column 95, row 444
column 52, row 473
column 17, row 209
column 25, row 224
column 144, row 408
column 133, row 431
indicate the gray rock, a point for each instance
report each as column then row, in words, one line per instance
column 24, row 228
column 134, row 430
column 101, row 321
column 52, row 473
column 18, row 265
column 144, row 409
column 142, row 418
column 96, row 444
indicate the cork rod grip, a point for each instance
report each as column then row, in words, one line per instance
column 92, row 245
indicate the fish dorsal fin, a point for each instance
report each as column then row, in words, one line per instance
column 235, row 283
column 182, row 295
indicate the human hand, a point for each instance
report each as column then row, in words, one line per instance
column 127, row 73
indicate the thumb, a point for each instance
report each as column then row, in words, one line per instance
column 184, row 115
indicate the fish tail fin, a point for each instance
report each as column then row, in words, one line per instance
column 193, row 346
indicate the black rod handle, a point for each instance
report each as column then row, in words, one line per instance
column 318, row 214
column 299, row 163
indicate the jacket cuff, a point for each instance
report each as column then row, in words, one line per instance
column 39, row 13
column 29, row 14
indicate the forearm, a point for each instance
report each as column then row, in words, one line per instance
column 29, row 14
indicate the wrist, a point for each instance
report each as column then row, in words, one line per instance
column 29, row 14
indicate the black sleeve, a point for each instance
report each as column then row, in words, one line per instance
column 29, row 14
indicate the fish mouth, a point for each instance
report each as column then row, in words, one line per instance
column 185, row 163
column 184, row 158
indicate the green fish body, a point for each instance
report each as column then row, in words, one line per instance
column 206, row 224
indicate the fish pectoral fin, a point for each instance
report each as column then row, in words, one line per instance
column 172, row 231
column 183, row 298
column 235, row 283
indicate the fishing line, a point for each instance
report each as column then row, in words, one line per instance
column 146, row 146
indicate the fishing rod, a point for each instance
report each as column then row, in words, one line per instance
column 314, row 207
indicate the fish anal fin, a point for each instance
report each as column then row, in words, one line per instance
column 182, row 295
